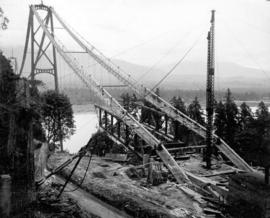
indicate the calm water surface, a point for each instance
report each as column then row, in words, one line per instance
column 86, row 124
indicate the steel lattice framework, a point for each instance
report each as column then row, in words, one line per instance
column 157, row 101
column 38, row 43
column 117, row 110
column 210, row 90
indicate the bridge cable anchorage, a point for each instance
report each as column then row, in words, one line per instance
column 157, row 101
column 111, row 103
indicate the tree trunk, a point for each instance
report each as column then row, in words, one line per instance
column 266, row 175
column 11, row 140
column 61, row 143
column 30, row 164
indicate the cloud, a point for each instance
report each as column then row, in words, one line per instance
column 116, row 25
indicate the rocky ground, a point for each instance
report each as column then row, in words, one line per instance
column 48, row 205
column 109, row 181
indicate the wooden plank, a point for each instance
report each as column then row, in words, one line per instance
column 225, row 172
column 204, row 182
column 159, row 133
column 117, row 141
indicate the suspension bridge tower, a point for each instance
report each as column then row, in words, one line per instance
column 42, row 53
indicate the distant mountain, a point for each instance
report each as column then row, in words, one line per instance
column 192, row 75
column 188, row 75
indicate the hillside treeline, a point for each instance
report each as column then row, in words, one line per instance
column 247, row 132
column 84, row 96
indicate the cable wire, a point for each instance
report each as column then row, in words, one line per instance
column 248, row 54
column 165, row 55
column 176, row 65
column 84, row 176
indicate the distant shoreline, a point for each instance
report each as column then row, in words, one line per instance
column 83, row 108
column 253, row 103
column 86, row 108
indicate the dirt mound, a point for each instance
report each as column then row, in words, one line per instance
column 109, row 182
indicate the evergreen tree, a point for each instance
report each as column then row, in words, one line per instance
column 262, row 111
column 245, row 117
column 7, row 101
column 180, row 131
column 126, row 101
column 133, row 101
column 220, row 119
column 19, row 125
column 231, row 125
column 57, row 117
column 145, row 112
column 262, row 124
column 179, row 104
column 195, row 111
column 254, row 139
column 173, row 100
column 157, row 92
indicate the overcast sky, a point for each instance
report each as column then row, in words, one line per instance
column 145, row 31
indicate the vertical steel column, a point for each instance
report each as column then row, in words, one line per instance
column 38, row 56
column 33, row 37
column 136, row 141
column 26, row 40
column 210, row 92
column 166, row 124
column 100, row 117
column 127, row 135
column 106, row 120
column 111, row 124
column 54, row 56
column 32, row 46
column 118, row 129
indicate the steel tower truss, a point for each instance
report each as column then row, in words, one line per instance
column 38, row 48
column 210, row 91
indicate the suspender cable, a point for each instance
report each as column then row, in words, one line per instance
column 173, row 68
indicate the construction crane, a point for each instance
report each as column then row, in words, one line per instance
column 210, row 91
